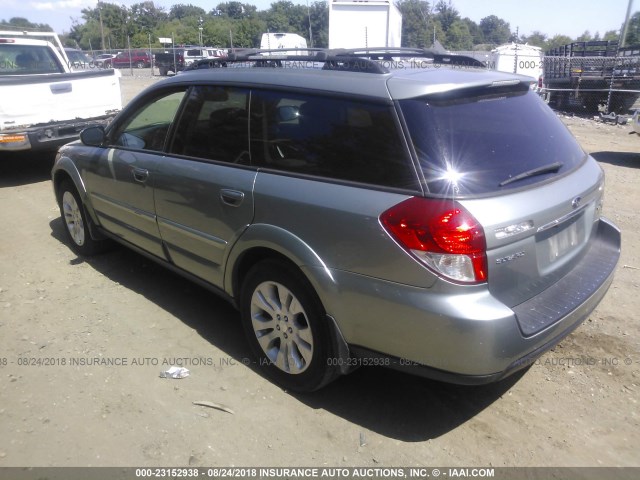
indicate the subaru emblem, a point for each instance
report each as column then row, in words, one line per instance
column 575, row 203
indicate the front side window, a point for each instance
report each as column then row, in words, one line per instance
column 488, row 142
column 147, row 128
column 329, row 137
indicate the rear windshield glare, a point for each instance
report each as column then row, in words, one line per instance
column 477, row 144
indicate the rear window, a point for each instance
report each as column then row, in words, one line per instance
column 27, row 59
column 480, row 143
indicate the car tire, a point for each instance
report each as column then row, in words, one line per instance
column 74, row 218
column 285, row 324
column 140, row 65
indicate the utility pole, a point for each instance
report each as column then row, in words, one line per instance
column 625, row 27
column 310, row 32
column 101, row 25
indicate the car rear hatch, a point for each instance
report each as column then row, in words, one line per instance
column 502, row 155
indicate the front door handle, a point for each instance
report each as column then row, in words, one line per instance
column 140, row 174
column 232, row 198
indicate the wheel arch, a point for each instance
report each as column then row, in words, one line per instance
column 65, row 169
column 261, row 242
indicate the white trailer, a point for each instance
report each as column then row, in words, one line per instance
column 364, row 24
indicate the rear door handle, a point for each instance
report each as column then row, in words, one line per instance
column 140, row 174
column 232, row 198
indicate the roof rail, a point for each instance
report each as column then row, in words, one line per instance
column 366, row 60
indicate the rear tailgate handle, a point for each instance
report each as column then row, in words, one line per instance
column 140, row 174
column 232, row 198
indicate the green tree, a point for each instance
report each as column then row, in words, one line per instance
column 477, row 36
column 236, row 10
column 558, row 41
column 446, row 14
column 20, row 22
column 537, row 39
column 633, row 30
column 180, row 11
column 585, row 37
column 284, row 16
column 319, row 12
column 495, row 30
column 415, row 20
column 458, row 37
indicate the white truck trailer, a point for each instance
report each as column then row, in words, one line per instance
column 364, row 24
column 518, row 58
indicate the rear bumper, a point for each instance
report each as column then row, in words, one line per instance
column 46, row 137
column 470, row 338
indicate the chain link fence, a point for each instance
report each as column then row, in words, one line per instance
column 595, row 76
column 592, row 83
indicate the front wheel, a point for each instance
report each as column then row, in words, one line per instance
column 75, row 221
column 286, row 326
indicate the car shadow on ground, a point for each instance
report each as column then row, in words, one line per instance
column 405, row 407
column 23, row 168
column 620, row 159
column 388, row 402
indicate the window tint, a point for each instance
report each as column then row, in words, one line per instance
column 214, row 125
column 329, row 137
column 27, row 59
column 147, row 128
column 471, row 145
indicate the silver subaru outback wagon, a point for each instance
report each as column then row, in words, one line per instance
column 441, row 221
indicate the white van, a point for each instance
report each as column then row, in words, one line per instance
column 282, row 41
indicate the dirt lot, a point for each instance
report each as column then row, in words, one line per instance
column 578, row 406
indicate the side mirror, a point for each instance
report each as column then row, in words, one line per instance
column 288, row 113
column 93, row 136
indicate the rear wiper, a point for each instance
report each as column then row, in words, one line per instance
column 552, row 167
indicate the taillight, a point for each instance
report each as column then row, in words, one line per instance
column 442, row 235
column 540, row 82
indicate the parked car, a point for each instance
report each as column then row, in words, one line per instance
column 104, row 60
column 135, row 59
column 194, row 54
column 78, row 60
column 441, row 221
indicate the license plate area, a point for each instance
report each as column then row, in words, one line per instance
column 557, row 243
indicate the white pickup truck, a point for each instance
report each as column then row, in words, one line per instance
column 44, row 103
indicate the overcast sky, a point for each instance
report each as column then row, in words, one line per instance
column 568, row 17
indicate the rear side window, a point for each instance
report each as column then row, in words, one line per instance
column 214, row 125
column 27, row 59
column 329, row 137
column 480, row 143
